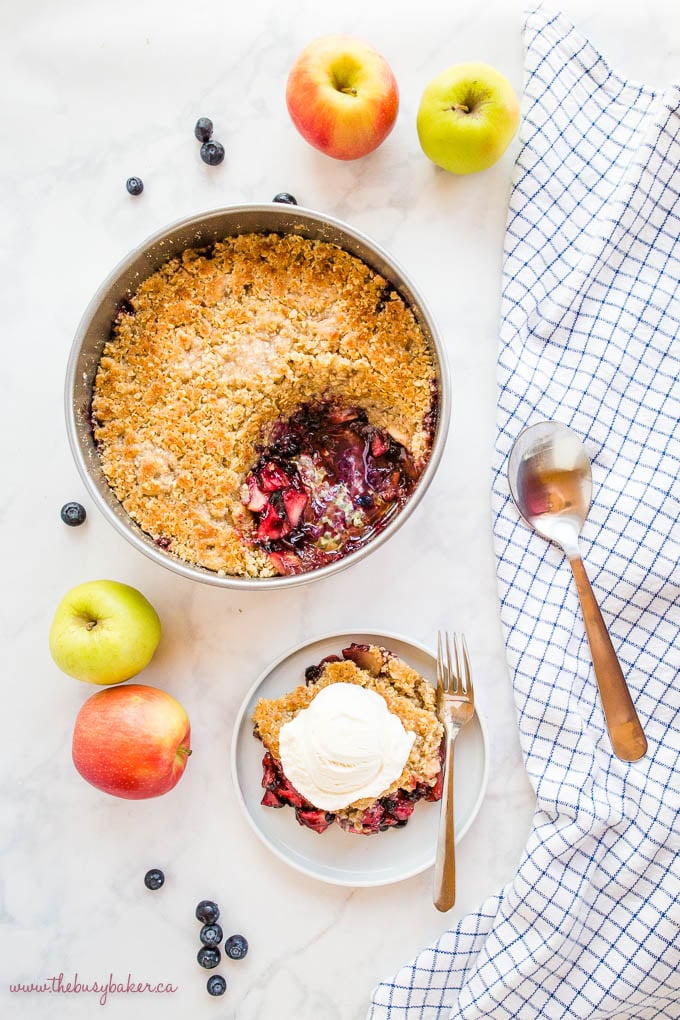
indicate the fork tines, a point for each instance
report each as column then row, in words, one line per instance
column 453, row 679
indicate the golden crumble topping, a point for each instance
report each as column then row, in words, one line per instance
column 219, row 345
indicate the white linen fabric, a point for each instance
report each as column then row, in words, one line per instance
column 590, row 336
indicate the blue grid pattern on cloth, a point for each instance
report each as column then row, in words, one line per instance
column 590, row 336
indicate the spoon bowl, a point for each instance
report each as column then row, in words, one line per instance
column 550, row 480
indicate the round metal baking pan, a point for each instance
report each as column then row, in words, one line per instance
column 196, row 232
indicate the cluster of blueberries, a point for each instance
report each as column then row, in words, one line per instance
column 209, row 955
column 212, row 153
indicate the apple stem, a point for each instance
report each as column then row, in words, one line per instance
column 349, row 91
column 459, row 106
column 90, row 625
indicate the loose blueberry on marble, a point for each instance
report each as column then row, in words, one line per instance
column 212, row 153
column 208, row 956
column 285, row 198
column 135, row 185
column 236, row 947
column 204, row 129
column 207, row 911
column 211, row 934
column 216, row 985
column 154, row 878
column 73, row 514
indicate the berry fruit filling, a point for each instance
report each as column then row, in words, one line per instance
column 385, row 813
column 326, row 483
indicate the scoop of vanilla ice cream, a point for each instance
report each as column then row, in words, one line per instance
column 346, row 745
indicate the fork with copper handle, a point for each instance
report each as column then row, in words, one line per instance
column 455, row 707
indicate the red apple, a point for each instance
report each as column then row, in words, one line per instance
column 132, row 741
column 342, row 96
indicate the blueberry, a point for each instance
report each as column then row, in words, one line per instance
column 236, row 947
column 216, row 985
column 203, row 129
column 207, row 912
column 287, row 446
column 154, row 879
column 135, row 185
column 208, row 956
column 212, row 153
column 73, row 514
column 285, row 197
column 210, row 934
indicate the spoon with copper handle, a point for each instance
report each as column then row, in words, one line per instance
column 551, row 483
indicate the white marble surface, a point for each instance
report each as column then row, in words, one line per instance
column 96, row 92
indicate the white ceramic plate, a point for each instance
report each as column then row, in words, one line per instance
column 335, row 856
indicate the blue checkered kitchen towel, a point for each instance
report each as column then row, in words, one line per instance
column 590, row 336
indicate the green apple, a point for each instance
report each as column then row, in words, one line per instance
column 104, row 632
column 468, row 116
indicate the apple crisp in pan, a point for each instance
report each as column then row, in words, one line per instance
column 264, row 406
